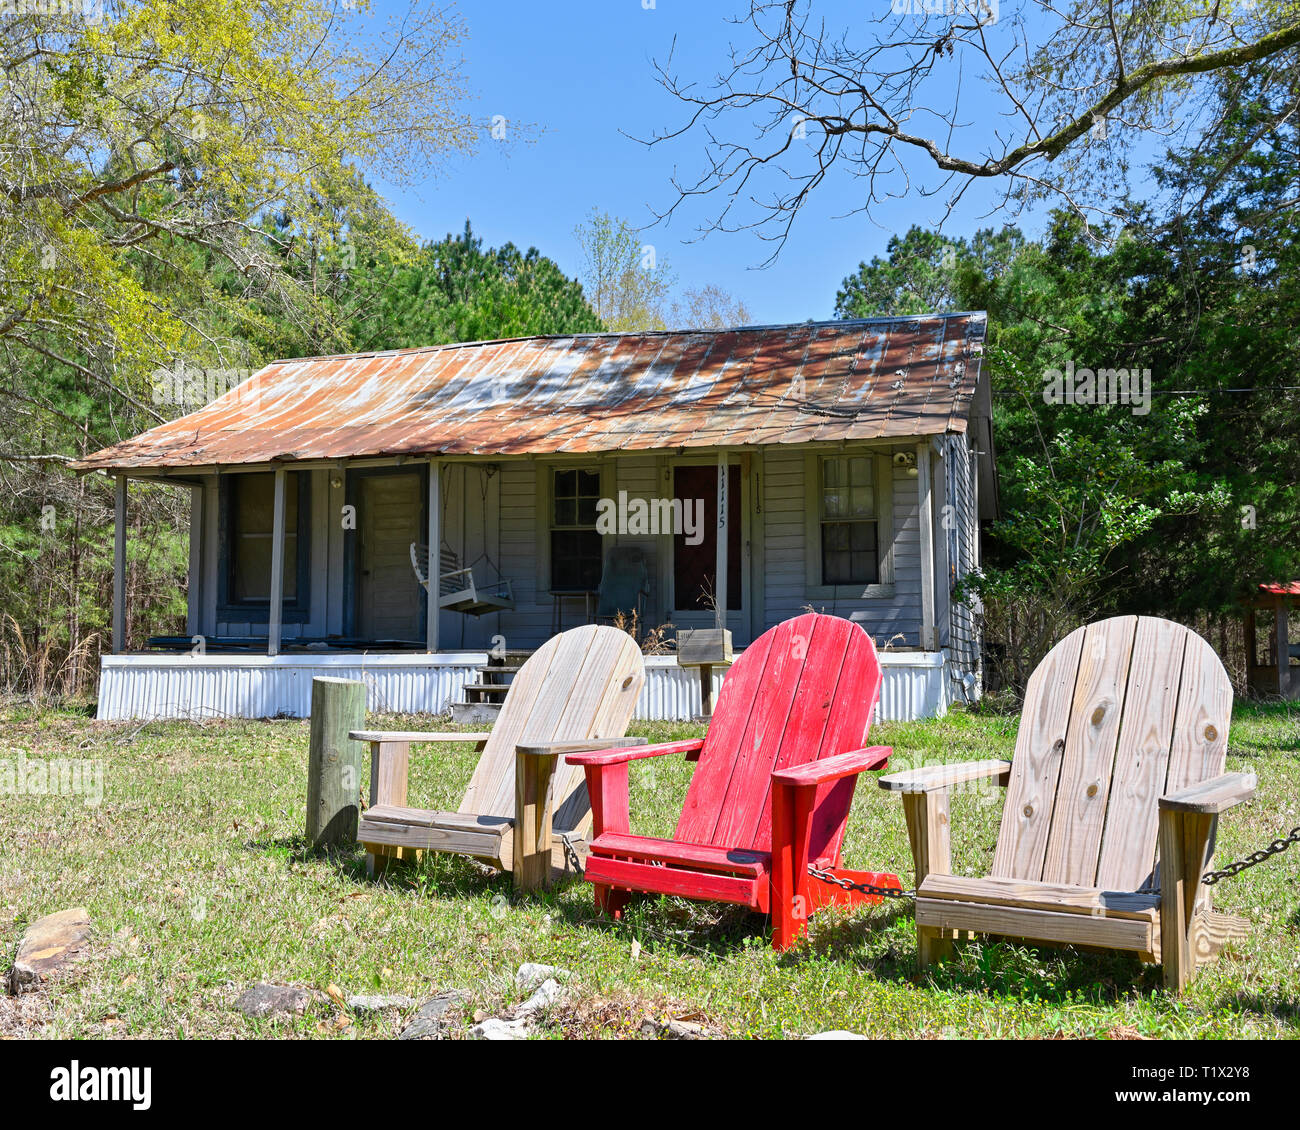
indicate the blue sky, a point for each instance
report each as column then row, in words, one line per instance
column 581, row 74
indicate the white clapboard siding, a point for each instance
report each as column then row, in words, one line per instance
column 140, row 687
column 786, row 500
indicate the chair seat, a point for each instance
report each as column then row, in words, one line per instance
column 1055, row 897
column 486, row 837
column 752, row 864
column 699, row 871
column 431, row 818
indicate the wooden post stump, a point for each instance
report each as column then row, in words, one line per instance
column 334, row 761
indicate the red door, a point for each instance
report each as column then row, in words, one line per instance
column 695, row 566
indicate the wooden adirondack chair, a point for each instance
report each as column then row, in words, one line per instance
column 771, row 791
column 1122, row 742
column 577, row 691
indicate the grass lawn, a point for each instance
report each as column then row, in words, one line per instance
column 193, row 871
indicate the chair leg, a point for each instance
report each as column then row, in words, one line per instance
column 792, row 809
column 610, row 901
column 933, row 945
column 534, row 775
column 1185, row 840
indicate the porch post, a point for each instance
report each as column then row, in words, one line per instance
column 1283, row 607
column 277, row 567
column 435, row 540
column 119, row 565
column 194, row 608
column 720, row 580
column 925, row 520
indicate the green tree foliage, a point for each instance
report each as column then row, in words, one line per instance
column 920, row 272
column 1180, row 507
column 455, row 290
column 628, row 282
column 184, row 182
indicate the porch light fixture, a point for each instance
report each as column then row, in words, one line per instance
column 906, row 459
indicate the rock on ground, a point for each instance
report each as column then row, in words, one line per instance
column 494, row 1028
column 547, row 993
column 836, row 1034
column 261, row 1001
column 531, row 975
column 430, row 1019
column 379, row 1004
column 49, row 946
column 652, row 1029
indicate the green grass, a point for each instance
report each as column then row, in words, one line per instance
column 197, row 883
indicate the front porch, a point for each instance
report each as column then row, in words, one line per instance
column 146, row 686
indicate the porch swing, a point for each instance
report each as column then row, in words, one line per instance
column 460, row 587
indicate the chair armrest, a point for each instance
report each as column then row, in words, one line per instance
column 414, row 736
column 593, row 745
column 623, row 754
column 1213, row 796
column 938, row 778
column 833, row 768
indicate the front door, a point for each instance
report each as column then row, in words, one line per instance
column 695, row 567
column 389, row 518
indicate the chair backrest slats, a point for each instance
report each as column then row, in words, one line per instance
column 583, row 683
column 1118, row 713
column 803, row 690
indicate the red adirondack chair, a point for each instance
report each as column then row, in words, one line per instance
column 771, row 791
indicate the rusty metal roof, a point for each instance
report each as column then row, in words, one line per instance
column 814, row 381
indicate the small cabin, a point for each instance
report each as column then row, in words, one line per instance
column 1276, row 673
column 421, row 518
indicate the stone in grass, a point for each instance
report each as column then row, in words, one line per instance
column 652, row 1029
column 429, row 1020
column 380, row 1003
column 494, row 1028
column 836, row 1034
column 48, row 947
column 546, row 994
column 531, row 975
column 520, row 1027
column 262, row 1001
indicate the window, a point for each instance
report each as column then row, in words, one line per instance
column 248, row 510
column 575, row 545
column 849, row 528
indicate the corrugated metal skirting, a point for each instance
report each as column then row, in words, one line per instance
column 145, row 687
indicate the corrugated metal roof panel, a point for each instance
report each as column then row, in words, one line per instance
column 868, row 379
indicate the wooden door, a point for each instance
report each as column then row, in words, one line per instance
column 389, row 517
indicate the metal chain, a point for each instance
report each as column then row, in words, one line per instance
column 1277, row 847
column 866, row 888
column 571, row 856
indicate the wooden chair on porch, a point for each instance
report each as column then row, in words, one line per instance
column 1119, row 758
column 577, row 691
column 771, row 793
column 624, row 584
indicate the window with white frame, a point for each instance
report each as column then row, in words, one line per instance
column 850, row 529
